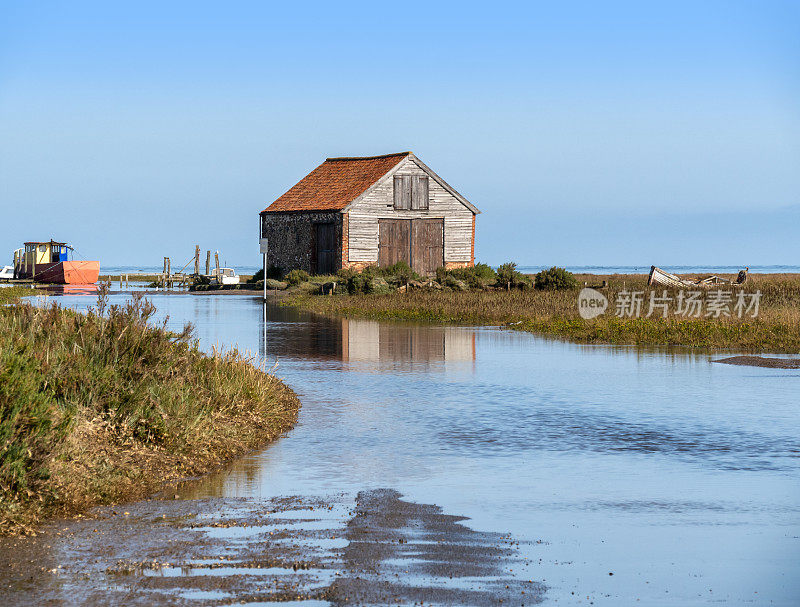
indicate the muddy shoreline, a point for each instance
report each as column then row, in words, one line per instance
column 377, row 549
column 761, row 361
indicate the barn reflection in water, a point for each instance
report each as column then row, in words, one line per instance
column 291, row 333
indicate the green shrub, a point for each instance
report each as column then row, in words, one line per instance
column 295, row 277
column 507, row 275
column 454, row 283
column 555, row 279
column 273, row 272
column 477, row 277
column 400, row 272
column 345, row 274
column 524, row 283
column 378, row 286
column 373, row 279
column 352, row 280
column 484, row 272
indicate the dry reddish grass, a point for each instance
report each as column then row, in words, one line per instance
column 102, row 407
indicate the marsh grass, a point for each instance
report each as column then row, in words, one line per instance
column 12, row 294
column 555, row 314
column 105, row 406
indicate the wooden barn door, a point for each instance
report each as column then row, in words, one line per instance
column 427, row 245
column 418, row 242
column 326, row 248
column 394, row 241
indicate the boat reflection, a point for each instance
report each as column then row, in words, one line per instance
column 69, row 289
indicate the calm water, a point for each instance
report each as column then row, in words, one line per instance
column 680, row 477
column 641, row 269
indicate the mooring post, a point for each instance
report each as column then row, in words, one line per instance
column 196, row 259
column 208, row 263
column 264, row 247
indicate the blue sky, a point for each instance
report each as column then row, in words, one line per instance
column 587, row 133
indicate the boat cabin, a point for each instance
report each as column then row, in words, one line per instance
column 38, row 253
column 224, row 276
column 49, row 262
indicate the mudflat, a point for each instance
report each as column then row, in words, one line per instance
column 380, row 549
column 761, row 361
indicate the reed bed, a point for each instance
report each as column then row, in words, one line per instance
column 105, row 406
column 555, row 314
column 12, row 294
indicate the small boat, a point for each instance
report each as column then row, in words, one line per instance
column 48, row 262
column 660, row 278
column 224, row 276
column 7, row 273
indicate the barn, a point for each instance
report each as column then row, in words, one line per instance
column 376, row 210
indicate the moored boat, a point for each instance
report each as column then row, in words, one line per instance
column 49, row 262
column 224, row 276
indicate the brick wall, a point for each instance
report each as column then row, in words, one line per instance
column 472, row 244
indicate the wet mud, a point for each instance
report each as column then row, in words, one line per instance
column 376, row 549
column 761, row 361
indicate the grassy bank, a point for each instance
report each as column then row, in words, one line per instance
column 102, row 407
column 555, row 314
column 12, row 294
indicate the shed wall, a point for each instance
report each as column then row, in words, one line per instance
column 292, row 238
column 362, row 233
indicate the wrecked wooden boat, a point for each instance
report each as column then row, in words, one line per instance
column 660, row 278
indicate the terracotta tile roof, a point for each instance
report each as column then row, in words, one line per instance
column 335, row 183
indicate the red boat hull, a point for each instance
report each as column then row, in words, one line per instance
column 65, row 272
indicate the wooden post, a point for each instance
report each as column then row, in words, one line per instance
column 263, row 247
column 216, row 261
column 208, row 263
column 197, row 259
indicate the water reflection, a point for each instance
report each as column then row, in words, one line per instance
column 288, row 332
column 61, row 290
column 676, row 474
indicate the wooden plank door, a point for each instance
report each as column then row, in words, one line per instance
column 427, row 245
column 394, row 241
column 326, row 248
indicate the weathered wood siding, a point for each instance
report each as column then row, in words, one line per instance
column 379, row 204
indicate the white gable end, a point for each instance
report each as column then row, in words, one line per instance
column 378, row 203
